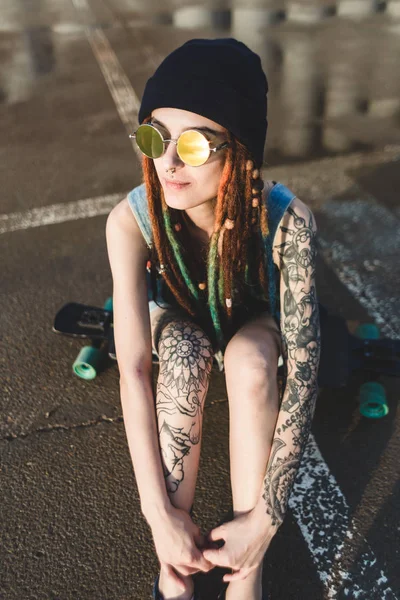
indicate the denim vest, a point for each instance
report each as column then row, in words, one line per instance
column 278, row 199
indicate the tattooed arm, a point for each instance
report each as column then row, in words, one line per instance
column 247, row 536
column 295, row 252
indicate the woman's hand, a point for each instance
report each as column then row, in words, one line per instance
column 246, row 538
column 178, row 543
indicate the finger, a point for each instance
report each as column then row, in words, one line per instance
column 183, row 570
column 217, row 534
column 187, row 570
column 201, row 541
column 216, row 556
column 202, row 563
column 173, row 575
column 237, row 576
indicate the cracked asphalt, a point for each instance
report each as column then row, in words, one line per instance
column 71, row 525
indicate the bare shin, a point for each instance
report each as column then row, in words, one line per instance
column 253, row 414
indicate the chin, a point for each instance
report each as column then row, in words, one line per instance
column 177, row 201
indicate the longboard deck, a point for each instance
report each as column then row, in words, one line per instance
column 81, row 320
column 88, row 322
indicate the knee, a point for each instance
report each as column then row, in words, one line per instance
column 251, row 371
column 252, row 359
column 185, row 353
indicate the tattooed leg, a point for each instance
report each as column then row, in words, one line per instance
column 185, row 365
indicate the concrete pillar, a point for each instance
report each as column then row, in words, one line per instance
column 384, row 85
column 192, row 17
column 347, row 86
column 336, row 139
column 393, row 8
column 342, row 94
column 356, row 8
column 247, row 19
column 251, row 26
column 300, row 97
column 310, row 12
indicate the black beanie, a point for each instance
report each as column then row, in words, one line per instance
column 220, row 79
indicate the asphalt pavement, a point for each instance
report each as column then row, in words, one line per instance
column 71, row 76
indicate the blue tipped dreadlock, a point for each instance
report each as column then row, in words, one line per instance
column 177, row 254
column 214, row 289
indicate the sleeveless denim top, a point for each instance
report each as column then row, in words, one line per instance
column 278, row 198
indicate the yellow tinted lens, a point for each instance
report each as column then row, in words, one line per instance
column 193, row 148
column 149, row 141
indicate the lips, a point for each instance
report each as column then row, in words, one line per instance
column 176, row 184
column 176, row 181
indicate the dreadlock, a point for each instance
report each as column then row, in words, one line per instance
column 239, row 252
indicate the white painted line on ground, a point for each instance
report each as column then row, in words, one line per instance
column 366, row 263
column 59, row 213
column 362, row 245
column 124, row 96
column 322, row 514
column 341, row 261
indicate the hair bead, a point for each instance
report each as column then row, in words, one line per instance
column 229, row 223
column 228, row 302
column 258, row 184
column 177, row 226
column 249, row 165
column 255, row 202
column 255, row 174
column 202, row 285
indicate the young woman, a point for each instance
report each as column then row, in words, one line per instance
column 233, row 264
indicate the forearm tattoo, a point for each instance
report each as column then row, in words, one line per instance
column 185, row 365
column 301, row 344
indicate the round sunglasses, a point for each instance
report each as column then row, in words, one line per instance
column 192, row 146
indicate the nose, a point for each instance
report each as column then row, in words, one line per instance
column 171, row 157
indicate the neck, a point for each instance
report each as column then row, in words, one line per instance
column 201, row 220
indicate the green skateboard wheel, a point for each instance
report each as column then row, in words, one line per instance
column 368, row 331
column 373, row 402
column 87, row 362
column 108, row 304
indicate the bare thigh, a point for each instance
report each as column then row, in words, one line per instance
column 269, row 322
column 253, row 327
